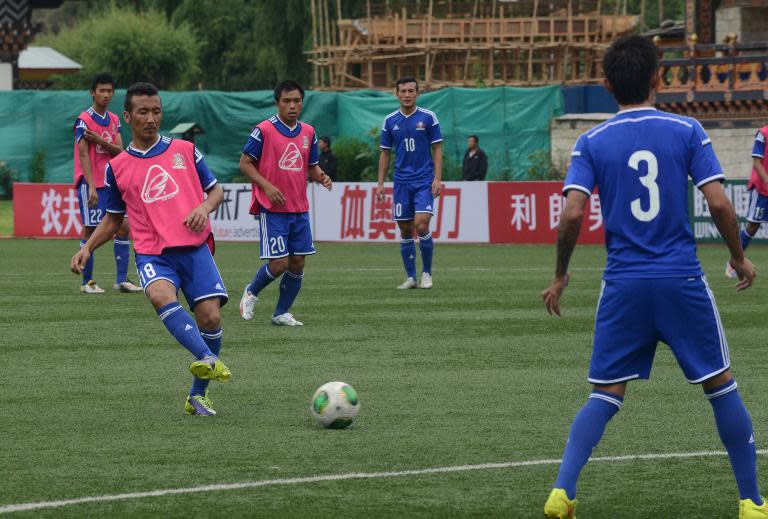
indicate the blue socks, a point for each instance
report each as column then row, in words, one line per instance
column 122, row 255
column 212, row 339
column 88, row 267
column 746, row 239
column 735, row 427
column 263, row 278
column 586, row 430
column 408, row 252
column 182, row 326
column 289, row 289
column 426, row 246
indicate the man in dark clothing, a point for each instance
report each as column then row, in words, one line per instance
column 475, row 160
column 327, row 158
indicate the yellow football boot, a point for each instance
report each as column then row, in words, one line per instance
column 558, row 506
column 210, row 368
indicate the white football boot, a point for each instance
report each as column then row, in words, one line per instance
column 247, row 304
column 286, row 319
column 729, row 271
column 91, row 288
column 127, row 287
column 426, row 280
column 408, row 283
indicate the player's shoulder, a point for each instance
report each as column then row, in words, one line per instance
column 428, row 113
column 391, row 117
column 307, row 127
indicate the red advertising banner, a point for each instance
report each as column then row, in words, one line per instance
column 529, row 212
column 46, row 211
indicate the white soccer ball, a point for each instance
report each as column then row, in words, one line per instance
column 334, row 405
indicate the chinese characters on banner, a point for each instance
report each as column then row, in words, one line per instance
column 704, row 229
column 46, row 211
column 529, row 212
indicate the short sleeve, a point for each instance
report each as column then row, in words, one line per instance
column 758, row 148
column 115, row 203
column 581, row 172
column 386, row 136
column 314, row 152
column 255, row 144
column 704, row 166
column 80, row 128
column 433, row 130
column 206, row 176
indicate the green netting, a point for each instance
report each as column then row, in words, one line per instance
column 512, row 123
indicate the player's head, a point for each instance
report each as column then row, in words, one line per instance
column 407, row 90
column 143, row 110
column 289, row 96
column 472, row 141
column 102, row 89
column 324, row 143
column 631, row 67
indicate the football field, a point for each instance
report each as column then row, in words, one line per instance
column 467, row 393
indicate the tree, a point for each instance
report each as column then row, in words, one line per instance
column 131, row 46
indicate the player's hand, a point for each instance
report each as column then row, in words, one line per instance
column 274, row 194
column 92, row 136
column 746, row 272
column 551, row 295
column 437, row 186
column 380, row 192
column 325, row 180
column 93, row 197
column 79, row 260
column 196, row 220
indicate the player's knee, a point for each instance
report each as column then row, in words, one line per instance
column 422, row 228
column 296, row 264
column 752, row 228
column 278, row 266
column 718, row 380
column 209, row 319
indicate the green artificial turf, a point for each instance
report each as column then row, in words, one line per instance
column 471, row 372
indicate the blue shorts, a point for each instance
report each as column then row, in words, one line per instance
column 285, row 234
column 634, row 314
column 91, row 216
column 757, row 207
column 411, row 198
column 190, row 269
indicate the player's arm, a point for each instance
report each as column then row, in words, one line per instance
column 249, row 169
column 382, row 174
column 316, row 173
column 567, row 235
column 83, row 147
column 103, row 233
column 437, row 159
column 758, row 165
column 197, row 219
column 112, row 149
column 725, row 219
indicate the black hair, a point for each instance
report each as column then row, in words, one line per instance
column 327, row 140
column 138, row 89
column 630, row 64
column 102, row 79
column 287, row 86
column 473, row 136
column 404, row 80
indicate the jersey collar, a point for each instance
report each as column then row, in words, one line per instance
column 639, row 109
column 149, row 151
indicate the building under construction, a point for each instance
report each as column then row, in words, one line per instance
column 491, row 43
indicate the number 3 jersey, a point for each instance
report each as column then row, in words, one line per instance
column 160, row 187
column 640, row 161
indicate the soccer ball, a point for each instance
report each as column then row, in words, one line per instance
column 334, row 405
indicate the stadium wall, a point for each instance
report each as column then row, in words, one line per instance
column 466, row 212
column 732, row 140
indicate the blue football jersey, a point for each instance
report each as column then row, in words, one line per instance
column 411, row 137
column 758, row 148
column 640, row 161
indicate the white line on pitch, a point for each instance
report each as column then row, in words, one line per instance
column 4, row 509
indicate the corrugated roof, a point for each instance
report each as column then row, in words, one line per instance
column 45, row 58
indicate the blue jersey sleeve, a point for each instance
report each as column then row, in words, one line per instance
column 206, row 176
column 704, row 167
column 581, row 173
column 314, row 153
column 80, row 128
column 115, row 203
column 758, row 149
column 433, row 130
column 386, row 136
column 255, row 144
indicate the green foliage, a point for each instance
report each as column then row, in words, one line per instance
column 8, row 176
column 354, row 157
column 37, row 167
column 132, row 46
column 542, row 168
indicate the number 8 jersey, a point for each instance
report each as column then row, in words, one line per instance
column 640, row 161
